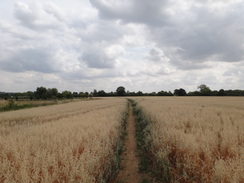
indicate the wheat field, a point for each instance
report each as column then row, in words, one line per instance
column 196, row 139
column 73, row 142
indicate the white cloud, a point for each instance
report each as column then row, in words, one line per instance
column 80, row 44
column 52, row 9
column 96, row 57
column 37, row 16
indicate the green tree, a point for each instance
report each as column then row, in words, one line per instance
column 204, row 90
column 82, row 94
column 180, row 92
column 95, row 94
column 30, row 95
column 101, row 93
column 221, row 92
column 75, row 94
column 41, row 93
column 139, row 93
column 120, row 91
column 67, row 94
column 52, row 92
column 86, row 94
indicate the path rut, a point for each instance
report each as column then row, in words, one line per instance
column 129, row 172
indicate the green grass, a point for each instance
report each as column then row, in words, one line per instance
column 142, row 131
column 120, row 146
column 147, row 161
column 12, row 104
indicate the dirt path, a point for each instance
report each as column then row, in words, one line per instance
column 129, row 165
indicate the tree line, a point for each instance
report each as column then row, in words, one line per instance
column 53, row 93
column 203, row 90
column 43, row 93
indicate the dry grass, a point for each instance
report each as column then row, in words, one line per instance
column 31, row 102
column 25, row 103
column 196, row 139
column 2, row 102
column 73, row 142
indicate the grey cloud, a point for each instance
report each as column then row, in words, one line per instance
column 203, row 36
column 39, row 60
column 91, row 73
column 101, row 31
column 54, row 10
column 214, row 35
column 13, row 32
column 25, row 14
column 200, row 33
column 29, row 17
column 235, row 70
column 189, row 64
column 97, row 58
column 162, row 42
column 144, row 11
column 155, row 55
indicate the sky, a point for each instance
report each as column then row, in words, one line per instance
column 143, row 45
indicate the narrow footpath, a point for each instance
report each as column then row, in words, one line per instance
column 129, row 172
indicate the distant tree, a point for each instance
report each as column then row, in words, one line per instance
column 194, row 93
column 180, row 92
column 132, row 94
column 214, row 93
column 75, row 94
column 82, row 94
column 30, row 94
column 86, row 95
column 153, row 94
column 176, row 92
column 41, row 93
column 120, row 91
column 127, row 93
column 111, row 94
column 204, row 90
column 164, row 93
column 139, row 93
column 52, row 92
column 101, row 93
column 67, row 94
column 60, row 96
column 221, row 92
column 95, row 93
column 234, row 92
column 161, row 93
column 170, row 93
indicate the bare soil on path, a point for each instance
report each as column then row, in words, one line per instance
column 129, row 172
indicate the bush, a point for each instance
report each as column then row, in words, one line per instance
column 10, row 105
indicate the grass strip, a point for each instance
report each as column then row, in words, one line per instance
column 12, row 105
column 148, row 163
column 120, row 145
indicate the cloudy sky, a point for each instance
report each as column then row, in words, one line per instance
column 146, row 45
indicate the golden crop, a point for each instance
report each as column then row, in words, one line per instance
column 196, row 139
column 73, row 142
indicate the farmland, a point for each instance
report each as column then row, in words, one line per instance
column 180, row 139
column 194, row 139
column 73, row 142
column 12, row 104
